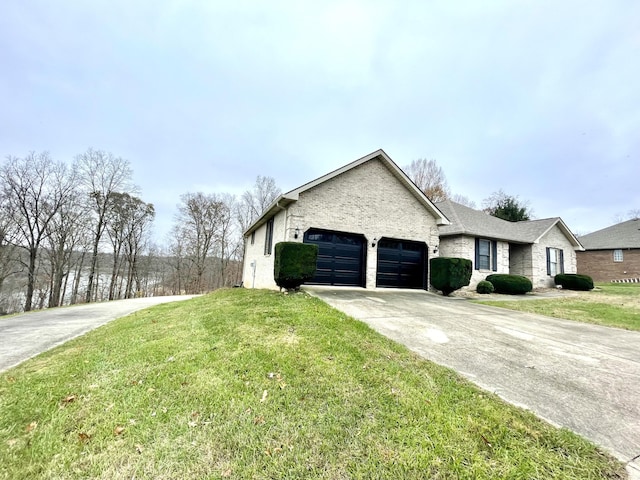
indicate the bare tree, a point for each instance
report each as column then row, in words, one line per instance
column 633, row 214
column 225, row 240
column 34, row 189
column 429, row 178
column 9, row 259
column 67, row 232
column 462, row 200
column 102, row 175
column 255, row 201
column 198, row 223
column 115, row 225
column 176, row 260
column 137, row 230
column 126, row 226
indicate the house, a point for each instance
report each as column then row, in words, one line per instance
column 536, row 249
column 612, row 253
column 373, row 227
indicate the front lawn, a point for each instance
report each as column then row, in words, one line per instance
column 610, row 304
column 256, row 384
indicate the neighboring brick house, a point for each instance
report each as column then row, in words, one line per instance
column 612, row 253
column 373, row 226
column 537, row 249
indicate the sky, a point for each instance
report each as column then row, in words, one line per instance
column 538, row 98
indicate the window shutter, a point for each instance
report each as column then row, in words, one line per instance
column 477, row 254
column 494, row 255
column 548, row 261
column 561, row 260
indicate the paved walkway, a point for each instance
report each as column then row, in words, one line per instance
column 28, row 334
column 575, row 375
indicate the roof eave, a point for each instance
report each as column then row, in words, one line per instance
column 278, row 205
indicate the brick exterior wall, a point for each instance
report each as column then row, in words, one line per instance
column 599, row 265
column 367, row 200
column 462, row 246
column 554, row 239
column 261, row 275
column 520, row 261
column 528, row 260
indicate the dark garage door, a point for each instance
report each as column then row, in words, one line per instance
column 341, row 257
column 401, row 264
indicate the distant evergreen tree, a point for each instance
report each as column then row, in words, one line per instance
column 506, row 207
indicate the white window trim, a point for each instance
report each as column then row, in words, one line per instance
column 618, row 256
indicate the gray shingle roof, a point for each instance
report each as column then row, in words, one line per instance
column 621, row 235
column 468, row 221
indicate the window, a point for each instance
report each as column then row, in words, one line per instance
column 486, row 254
column 268, row 239
column 253, row 237
column 617, row 256
column 555, row 261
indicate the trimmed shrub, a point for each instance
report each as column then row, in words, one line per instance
column 449, row 274
column 573, row 281
column 294, row 264
column 510, row 284
column 484, row 287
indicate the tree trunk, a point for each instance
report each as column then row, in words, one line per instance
column 31, row 279
column 92, row 270
column 76, row 280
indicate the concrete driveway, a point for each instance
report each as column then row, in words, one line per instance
column 28, row 334
column 579, row 376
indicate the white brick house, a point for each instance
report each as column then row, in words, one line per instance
column 373, row 226
column 536, row 249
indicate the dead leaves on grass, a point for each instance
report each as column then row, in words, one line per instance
column 31, row 427
column 68, row 399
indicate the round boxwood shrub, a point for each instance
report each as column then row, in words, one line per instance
column 448, row 274
column 573, row 281
column 510, row 284
column 484, row 287
column 294, row 264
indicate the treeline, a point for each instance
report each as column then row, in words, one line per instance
column 80, row 232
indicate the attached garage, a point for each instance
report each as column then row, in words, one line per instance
column 341, row 257
column 401, row 264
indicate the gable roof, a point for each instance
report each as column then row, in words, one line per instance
column 468, row 221
column 621, row 235
column 293, row 195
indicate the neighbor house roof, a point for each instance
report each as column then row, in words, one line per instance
column 476, row 223
column 292, row 196
column 621, row 235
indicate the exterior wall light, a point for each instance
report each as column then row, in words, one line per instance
column 435, row 249
column 373, row 243
column 296, row 234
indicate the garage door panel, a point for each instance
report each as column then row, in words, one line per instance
column 340, row 257
column 401, row 263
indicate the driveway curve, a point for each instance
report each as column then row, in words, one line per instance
column 575, row 375
column 26, row 335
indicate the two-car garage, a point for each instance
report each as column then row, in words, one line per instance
column 342, row 259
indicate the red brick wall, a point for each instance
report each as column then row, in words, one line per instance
column 599, row 265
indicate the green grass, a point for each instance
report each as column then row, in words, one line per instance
column 609, row 304
column 256, row 384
